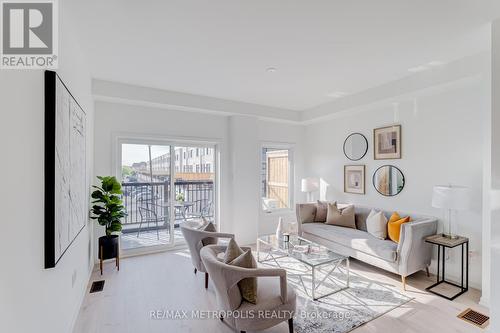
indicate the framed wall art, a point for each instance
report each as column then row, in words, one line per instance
column 354, row 179
column 387, row 142
column 66, row 191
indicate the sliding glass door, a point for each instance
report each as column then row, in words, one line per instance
column 164, row 186
column 194, row 175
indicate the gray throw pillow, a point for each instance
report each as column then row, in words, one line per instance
column 210, row 227
column 233, row 251
column 248, row 286
column 341, row 218
column 321, row 211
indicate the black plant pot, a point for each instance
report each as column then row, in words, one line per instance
column 109, row 248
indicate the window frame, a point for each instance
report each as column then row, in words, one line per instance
column 120, row 138
column 291, row 176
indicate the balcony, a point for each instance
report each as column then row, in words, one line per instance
column 148, row 210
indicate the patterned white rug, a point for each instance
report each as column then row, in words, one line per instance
column 342, row 311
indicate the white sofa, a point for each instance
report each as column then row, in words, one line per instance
column 408, row 256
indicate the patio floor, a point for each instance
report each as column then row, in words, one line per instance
column 129, row 240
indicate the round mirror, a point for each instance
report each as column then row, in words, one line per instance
column 355, row 146
column 388, row 180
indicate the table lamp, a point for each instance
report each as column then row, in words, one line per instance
column 309, row 185
column 450, row 198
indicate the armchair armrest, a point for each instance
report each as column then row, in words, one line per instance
column 240, row 273
column 212, row 234
column 414, row 253
column 222, row 235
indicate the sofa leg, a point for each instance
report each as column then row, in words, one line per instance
column 290, row 325
column 403, row 281
column 206, row 280
column 427, row 271
column 195, row 271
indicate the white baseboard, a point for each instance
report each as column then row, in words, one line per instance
column 82, row 298
column 484, row 301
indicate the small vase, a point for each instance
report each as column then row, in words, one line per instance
column 279, row 229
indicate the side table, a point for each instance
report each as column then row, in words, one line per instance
column 443, row 243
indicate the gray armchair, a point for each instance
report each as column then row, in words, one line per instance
column 273, row 294
column 195, row 239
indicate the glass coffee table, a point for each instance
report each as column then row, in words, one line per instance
column 315, row 256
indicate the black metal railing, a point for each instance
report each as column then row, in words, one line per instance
column 193, row 198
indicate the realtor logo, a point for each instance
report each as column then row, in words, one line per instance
column 29, row 35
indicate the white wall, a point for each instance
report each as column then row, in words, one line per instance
column 34, row 299
column 239, row 138
column 442, row 143
column 492, row 236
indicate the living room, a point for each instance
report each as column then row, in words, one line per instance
column 331, row 163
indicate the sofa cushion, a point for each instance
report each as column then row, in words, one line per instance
column 361, row 216
column 394, row 226
column 341, row 217
column 376, row 224
column 355, row 239
column 321, row 211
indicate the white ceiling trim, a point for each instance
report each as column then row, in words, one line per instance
column 411, row 96
column 122, row 93
column 446, row 77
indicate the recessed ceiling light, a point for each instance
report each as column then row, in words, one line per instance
column 271, row 69
column 417, row 69
column 337, row 94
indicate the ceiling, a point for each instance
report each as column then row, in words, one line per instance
column 222, row 48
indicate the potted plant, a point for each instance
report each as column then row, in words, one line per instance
column 108, row 210
column 180, row 197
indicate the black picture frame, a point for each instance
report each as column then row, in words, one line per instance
column 402, row 175
column 366, row 149
column 50, row 104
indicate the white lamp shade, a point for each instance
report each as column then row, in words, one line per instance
column 451, row 197
column 309, row 185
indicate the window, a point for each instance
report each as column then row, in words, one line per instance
column 277, row 176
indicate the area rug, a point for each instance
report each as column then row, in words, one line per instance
column 342, row 311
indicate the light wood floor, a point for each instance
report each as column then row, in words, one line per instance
column 165, row 281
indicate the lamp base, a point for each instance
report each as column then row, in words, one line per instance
column 450, row 236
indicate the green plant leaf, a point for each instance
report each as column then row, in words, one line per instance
column 115, row 226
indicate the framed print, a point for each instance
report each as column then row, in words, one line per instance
column 66, row 190
column 354, row 179
column 387, row 142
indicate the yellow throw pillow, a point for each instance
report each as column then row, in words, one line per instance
column 394, row 226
